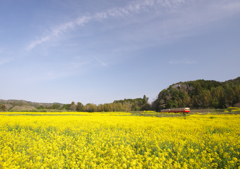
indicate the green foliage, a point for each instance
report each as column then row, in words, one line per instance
column 118, row 105
column 90, row 107
column 40, row 107
column 66, row 107
column 79, row 106
column 199, row 94
column 55, row 106
column 135, row 104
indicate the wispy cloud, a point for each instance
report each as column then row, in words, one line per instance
column 130, row 9
column 5, row 60
column 57, row 31
column 101, row 62
column 184, row 61
column 182, row 22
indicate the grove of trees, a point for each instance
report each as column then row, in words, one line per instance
column 199, row 94
column 118, row 105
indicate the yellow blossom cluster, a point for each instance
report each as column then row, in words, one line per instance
column 97, row 141
column 232, row 109
column 149, row 111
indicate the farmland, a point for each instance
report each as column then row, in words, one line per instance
column 118, row 140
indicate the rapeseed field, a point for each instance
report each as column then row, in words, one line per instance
column 118, row 141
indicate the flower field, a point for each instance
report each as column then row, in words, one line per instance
column 119, row 141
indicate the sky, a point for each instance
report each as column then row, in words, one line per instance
column 98, row 51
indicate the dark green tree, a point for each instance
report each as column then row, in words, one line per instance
column 56, row 106
column 215, row 102
column 41, row 107
column 79, row 106
column 66, row 107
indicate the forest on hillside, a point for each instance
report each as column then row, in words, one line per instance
column 197, row 94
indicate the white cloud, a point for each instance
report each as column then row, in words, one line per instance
column 37, row 42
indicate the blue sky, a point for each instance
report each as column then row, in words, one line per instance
column 98, row 51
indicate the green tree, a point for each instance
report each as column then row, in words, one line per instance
column 215, row 102
column 89, row 107
column 162, row 104
column 73, row 106
column 56, row 106
column 100, row 108
column 170, row 104
column 79, row 106
column 145, row 99
column 41, row 107
column 206, row 98
column 66, row 107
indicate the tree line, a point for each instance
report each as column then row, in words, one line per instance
column 137, row 104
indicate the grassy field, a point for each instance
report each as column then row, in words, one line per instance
column 118, row 140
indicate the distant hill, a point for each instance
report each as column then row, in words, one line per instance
column 23, row 104
column 199, row 94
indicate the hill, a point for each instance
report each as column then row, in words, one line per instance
column 22, row 105
column 199, row 94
